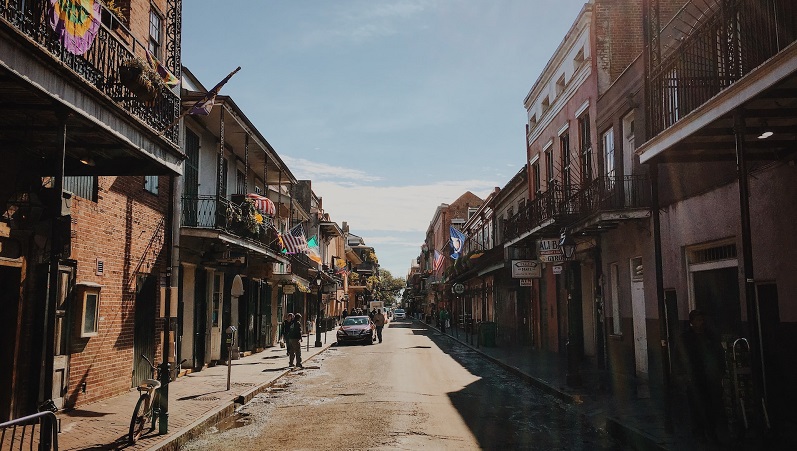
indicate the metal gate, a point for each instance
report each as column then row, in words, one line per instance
column 144, row 328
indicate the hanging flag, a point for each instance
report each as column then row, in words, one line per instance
column 166, row 75
column 457, row 242
column 312, row 250
column 438, row 260
column 76, row 22
column 203, row 106
column 312, row 242
column 294, row 240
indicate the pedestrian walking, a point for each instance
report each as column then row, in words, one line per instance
column 344, row 314
column 286, row 324
column 443, row 319
column 379, row 322
column 703, row 365
column 295, row 341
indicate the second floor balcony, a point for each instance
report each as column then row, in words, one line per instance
column 558, row 207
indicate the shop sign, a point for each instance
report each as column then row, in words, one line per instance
column 548, row 250
column 525, row 282
column 526, row 269
column 557, row 269
column 288, row 289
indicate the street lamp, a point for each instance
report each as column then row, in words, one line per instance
column 318, row 282
column 568, row 247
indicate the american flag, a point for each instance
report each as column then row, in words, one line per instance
column 438, row 260
column 294, row 240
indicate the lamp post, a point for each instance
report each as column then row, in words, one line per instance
column 568, row 247
column 318, row 282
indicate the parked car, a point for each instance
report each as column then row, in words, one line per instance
column 399, row 313
column 357, row 329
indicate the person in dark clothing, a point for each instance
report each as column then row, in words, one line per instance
column 295, row 341
column 286, row 324
column 443, row 319
column 703, row 360
column 344, row 314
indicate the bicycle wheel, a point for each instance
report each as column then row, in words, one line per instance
column 139, row 417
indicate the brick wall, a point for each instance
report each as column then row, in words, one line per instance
column 119, row 229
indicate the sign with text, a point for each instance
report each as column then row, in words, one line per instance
column 557, row 269
column 526, row 269
column 525, row 282
column 289, row 289
column 548, row 250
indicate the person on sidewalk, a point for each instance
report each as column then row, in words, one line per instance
column 443, row 319
column 295, row 341
column 286, row 324
column 379, row 322
column 344, row 314
column 703, row 366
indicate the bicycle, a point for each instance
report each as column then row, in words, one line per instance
column 145, row 407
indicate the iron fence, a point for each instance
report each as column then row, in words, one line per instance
column 99, row 66
column 735, row 37
column 38, row 431
column 209, row 212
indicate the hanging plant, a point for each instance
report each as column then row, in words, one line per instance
column 140, row 78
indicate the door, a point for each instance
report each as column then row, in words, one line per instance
column 638, row 317
column 65, row 299
column 215, row 311
column 716, row 293
column 10, row 281
column 144, row 327
column 588, row 308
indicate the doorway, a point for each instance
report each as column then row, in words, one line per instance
column 65, row 298
column 10, row 277
column 144, row 328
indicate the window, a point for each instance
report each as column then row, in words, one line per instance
column 535, row 174
column 258, row 190
column 545, row 104
column 155, row 42
column 84, row 186
column 579, row 59
column 218, row 296
column 560, row 85
column 564, row 146
column 151, row 183
column 614, row 284
column 585, row 147
column 532, row 121
column 608, row 152
column 549, row 168
column 240, row 182
column 90, row 314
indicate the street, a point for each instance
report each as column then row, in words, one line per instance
column 415, row 390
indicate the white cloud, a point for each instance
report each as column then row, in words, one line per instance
column 313, row 170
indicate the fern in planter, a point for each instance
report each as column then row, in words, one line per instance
column 140, row 78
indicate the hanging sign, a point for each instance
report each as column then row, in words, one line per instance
column 548, row 250
column 526, row 269
column 288, row 289
column 525, row 282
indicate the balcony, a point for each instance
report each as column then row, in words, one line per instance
column 603, row 202
column 98, row 68
column 235, row 219
column 730, row 40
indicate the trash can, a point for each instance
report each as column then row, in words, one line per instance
column 487, row 332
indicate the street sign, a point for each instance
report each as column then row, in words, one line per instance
column 458, row 288
column 525, row 269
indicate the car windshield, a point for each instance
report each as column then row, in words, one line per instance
column 356, row 321
column 399, row 310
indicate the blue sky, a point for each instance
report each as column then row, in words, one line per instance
column 390, row 107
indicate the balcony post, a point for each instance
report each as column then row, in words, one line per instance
column 219, row 167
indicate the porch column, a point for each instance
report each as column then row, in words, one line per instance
column 753, row 319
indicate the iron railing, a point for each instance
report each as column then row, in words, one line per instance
column 735, row 37
column 208, row 212
column 99, row 66
column 565, row 206
column 38, row 431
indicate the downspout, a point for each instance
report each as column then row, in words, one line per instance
column 662, row 306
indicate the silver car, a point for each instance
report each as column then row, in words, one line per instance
column 399, row 313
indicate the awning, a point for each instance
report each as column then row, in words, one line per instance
column 264, row 204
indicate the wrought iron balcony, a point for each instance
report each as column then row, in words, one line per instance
column 207, row 212
column 728, row 41
column 98, row 67
column 559, row 207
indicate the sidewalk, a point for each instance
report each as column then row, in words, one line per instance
column 196, row 402
column 631, row 414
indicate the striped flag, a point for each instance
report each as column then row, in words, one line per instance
column 294, row 240
column 438, row 260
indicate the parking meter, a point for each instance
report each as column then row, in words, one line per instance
column 230, row 342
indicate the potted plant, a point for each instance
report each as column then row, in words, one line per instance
column 140, row 78
column 112, row 15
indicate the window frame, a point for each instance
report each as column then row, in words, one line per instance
column 155, row 43
column 151, row 183
column 609, row 149
column 89, row 291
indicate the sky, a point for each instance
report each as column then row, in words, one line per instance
column 391, row 108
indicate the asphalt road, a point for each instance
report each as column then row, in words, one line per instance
column 416, row 390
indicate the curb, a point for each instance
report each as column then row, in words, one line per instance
column 205, row 422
